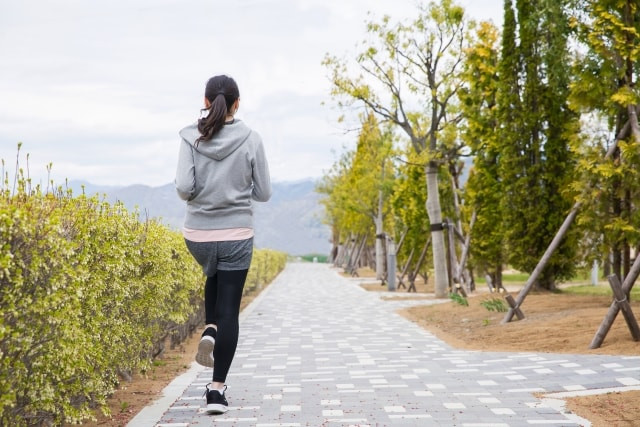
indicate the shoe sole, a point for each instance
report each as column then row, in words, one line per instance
column 204, row 356
column 216, row 409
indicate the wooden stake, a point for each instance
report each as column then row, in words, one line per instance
column 404, row 270
column 543, row 262
column 354, row 271
column 559, row 235
column 514, row 307
column 623, row 302
column 465, row 249
column 414, row 274
column 614, row 308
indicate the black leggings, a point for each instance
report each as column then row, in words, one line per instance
column 222, row 295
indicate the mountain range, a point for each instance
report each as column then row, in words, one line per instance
column 290, row 222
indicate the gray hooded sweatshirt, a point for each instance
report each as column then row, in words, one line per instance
column 219, row 178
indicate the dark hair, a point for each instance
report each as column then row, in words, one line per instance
column 221, row 92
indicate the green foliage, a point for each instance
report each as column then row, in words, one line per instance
column 606, row 91
column 600, row 290
column 355, row 190
column 509, row 278
column 483, row 191
column 322, row 258
column 265, row 265
column 459, row 299
column 495, row 304
column 535, row 165
column 409, row 205
column 86, row 291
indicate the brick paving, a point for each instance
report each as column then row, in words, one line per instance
column 317, row 350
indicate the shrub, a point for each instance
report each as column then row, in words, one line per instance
column 495, row 304
column 459, row 299
column 87, row 292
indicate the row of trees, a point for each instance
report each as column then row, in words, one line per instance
column 545, row 108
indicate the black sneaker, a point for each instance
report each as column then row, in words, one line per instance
column 204, row 356
column 216, row 402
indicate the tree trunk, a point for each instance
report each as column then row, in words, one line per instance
column 434, row 211
column 379, row 240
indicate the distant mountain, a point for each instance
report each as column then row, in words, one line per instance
column 289, row 222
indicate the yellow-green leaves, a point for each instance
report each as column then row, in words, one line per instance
column 353, row 187
column 625, row 96
column 87, row 291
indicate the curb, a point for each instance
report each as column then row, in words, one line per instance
column 151, row 414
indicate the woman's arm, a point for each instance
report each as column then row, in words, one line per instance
column 260, row 175
column 186, row 174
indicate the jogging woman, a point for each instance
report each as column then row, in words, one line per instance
column 221, row 169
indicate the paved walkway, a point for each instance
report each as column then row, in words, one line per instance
column 317, row 350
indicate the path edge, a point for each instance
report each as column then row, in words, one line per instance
column 150, row 415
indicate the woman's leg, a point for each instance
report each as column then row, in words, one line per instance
column 204, row 356
column 210, row 298
column 229, row 285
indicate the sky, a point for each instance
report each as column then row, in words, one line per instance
column 100, row 88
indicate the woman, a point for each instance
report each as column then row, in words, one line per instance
column 221, row 169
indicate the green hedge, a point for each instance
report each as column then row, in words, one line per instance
column 87, row 293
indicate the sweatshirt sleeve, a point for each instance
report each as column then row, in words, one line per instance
column 260, row 175
column 186, row 174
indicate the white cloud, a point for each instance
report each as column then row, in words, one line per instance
column 102, row 88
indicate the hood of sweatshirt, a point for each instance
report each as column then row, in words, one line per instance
column 225, row 142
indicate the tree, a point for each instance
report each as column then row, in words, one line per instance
column 606, row 91
column 409, row 76
column 409, row 206
column 535, row 161
column 358, row 185
column 483, row 189
column 344, row 220
column 372, row 180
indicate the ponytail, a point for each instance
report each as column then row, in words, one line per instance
column 221, row 92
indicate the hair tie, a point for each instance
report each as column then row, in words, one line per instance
column 220, row 92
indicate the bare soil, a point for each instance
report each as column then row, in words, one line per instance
column 608, row 410
column 554, row 323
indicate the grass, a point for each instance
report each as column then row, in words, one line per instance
column 495, row 304
column 457, row 298
column 318, row 257
column 582, row 288
column 508, row 278
column 600, row 290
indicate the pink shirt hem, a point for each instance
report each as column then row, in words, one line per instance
column 223, row 235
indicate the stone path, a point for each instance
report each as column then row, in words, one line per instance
column 319, row 351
